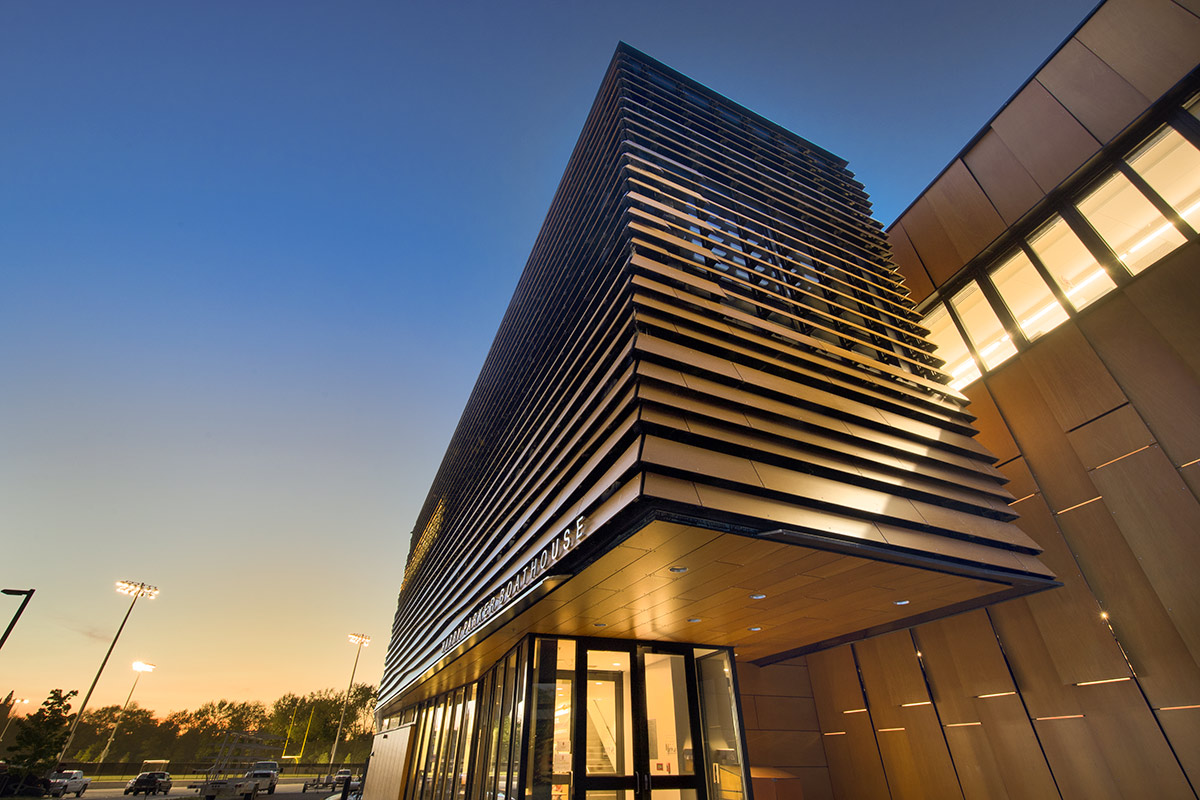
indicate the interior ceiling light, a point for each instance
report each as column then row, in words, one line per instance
column 677, row 570
column 900, row 602
column 754, row 629
column 600, row 624
column 694, row 619
column 757, row 596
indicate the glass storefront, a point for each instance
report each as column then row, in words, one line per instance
column 593, row 719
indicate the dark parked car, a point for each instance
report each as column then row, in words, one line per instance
column 149, row 783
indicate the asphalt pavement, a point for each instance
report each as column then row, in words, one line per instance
column 286, row 789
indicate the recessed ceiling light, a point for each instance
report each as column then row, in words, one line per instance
column 694, row 619
column 600, row 624
column 757, row 596
column 900, row 602
column 754, row 629
column 678, row 570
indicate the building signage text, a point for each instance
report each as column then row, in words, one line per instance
column 534, row 568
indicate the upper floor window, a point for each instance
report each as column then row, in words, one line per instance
column 951, row 348
column 1129, row 223
column 1029, row 299
column 1171, row 165
column 1071, row 264
column 992, row 342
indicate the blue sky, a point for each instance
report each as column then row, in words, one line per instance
column 252, row 255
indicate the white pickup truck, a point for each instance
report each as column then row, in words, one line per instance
column 246, row 788
column 71, row 781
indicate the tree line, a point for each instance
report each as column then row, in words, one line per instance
column 300, row 726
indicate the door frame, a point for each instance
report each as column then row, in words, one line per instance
column 642, row 782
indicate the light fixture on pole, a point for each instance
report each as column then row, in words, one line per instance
column 11, row 715
column 139, row 667
column 362, row 640
column 20, row 610
column 136, row 591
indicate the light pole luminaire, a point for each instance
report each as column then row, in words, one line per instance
column 12, row 715
column 136, row 590
column 139, row 667
column 362, row 640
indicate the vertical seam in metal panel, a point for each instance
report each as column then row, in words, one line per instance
column 1020, row 696
column 862, row 687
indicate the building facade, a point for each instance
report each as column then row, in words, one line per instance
column 715, row 522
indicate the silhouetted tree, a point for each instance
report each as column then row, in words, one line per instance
column 41, row 737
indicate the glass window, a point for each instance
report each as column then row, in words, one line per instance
column 447, row 774
column 464, row 761
column 435, row 741
column 1171, row 165
column 609, row 720
column 550, row 751
column 1027, row 296
column 722, row 740
column 1130, row 223
column 1071, row 264
column 951, row 348
column 668, row 714
column 992, row 342
column 496, row 722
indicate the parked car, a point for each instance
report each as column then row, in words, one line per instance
column 149, row 783
column 69, row 782
column 341, row 776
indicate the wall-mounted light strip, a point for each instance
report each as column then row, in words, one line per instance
column 1188, row 464
column 889, row 730
column 995, row 694
column 1021, row 499
column 962, row 724
column 1078, row 505
column 854, row 711
column 834, row 733
column 1106, row 680
column 1177, row 708
column 1118, row 458
column 1064, row 716
column 922, row 703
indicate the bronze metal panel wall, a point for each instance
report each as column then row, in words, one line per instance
column 908, row 263
column 855, row 766
column 1151, row 43
column 1045, row 138
column 1091, row 690
column 1008, row 185
column 991, row 738
column 915, row 756
column 1092, row 91
column 931, row 241
column 965, row 211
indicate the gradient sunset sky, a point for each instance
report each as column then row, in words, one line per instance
column 252, row 255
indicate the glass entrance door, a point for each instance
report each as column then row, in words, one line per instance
column 638, row 723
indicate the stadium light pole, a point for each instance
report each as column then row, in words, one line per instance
column 362, row 640
column 15, row 592
column 12, row 715
column 137, row 591
column 139, row 667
